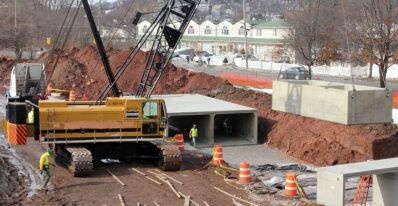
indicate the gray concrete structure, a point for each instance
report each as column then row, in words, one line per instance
column 335, row 102
column 331, row 181
column 209, row 114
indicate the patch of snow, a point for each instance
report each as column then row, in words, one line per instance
column 273, row 181
column 395, row 116
column 268, row 91
column 107, row 161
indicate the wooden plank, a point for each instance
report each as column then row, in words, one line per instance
column 116, row 178
column 149, row 178
column 153, row 180
column 193, row 202
column 173, row 189
column 139, row 172
column 234, row 196
column 170, row 177
column 236, row 203
column 154, row 173
column 187, row 200
column 122, row 203
column 156, row 203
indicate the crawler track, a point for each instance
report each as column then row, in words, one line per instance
column 77, row 158
column 170, row 157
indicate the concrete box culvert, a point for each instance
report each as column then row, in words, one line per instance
column 335, row 102
column 209, row 115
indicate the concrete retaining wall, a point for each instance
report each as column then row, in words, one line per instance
column 333, row 102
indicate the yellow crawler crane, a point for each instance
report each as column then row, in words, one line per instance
column 122, row 127
column 119, row 127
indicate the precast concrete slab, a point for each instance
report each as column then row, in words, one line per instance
column 331, row 181
column 212, row 117
column 335, row 102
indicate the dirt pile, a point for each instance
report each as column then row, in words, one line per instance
column 310, row 140
column 12, row 182
column 5, row 71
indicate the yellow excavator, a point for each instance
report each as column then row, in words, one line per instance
column 115, row 126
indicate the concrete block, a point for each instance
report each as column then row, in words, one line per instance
column 331, row 181
column 385, row 187
column 335, row 102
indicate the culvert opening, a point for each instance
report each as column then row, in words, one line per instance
column 235, row 129
column 183, row 124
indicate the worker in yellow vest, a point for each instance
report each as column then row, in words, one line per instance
column 31, row 116
column 45, row 167
column 193, row 134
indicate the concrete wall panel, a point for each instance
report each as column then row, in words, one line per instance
column 333, row 102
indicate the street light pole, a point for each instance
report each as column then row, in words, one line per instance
column 245, row 24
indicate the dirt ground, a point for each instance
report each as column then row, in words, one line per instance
column 102, row 189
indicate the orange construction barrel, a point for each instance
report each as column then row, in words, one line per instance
column 84, row 98
column 217, row 155
column 72, row 95
column 49, row 88
column 244, row 173
column 290, row 184
column 179, row 138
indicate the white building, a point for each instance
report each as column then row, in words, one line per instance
column 265, row 38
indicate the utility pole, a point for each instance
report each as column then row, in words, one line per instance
column 245, row 25
column 15, row 18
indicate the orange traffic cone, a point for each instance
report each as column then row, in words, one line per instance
column 72, row 95
column 290, row 184
column 244, row 173
column 217, row 155
column 179, row 138
column 49, row 89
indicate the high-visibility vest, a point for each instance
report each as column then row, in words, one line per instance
column 194, row 132
column 31, row 117
column 44, row 160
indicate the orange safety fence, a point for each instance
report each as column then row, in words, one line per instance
column 247, row 80
column 395, row 100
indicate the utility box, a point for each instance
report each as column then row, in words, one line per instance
column 334, row 102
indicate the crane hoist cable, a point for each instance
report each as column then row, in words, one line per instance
column 164, row 42
column 117, row 29
column 71, row 22
column 348, row 49
column 50, row 56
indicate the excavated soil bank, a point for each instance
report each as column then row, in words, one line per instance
column 310, row 140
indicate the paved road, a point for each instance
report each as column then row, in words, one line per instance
column 216, row 70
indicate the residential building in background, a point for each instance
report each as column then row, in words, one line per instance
column 266, row 39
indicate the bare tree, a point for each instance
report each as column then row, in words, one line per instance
column 313, row 28
column 374, row 28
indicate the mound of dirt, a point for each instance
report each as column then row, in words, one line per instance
column 12, row 181
column 310, row 140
